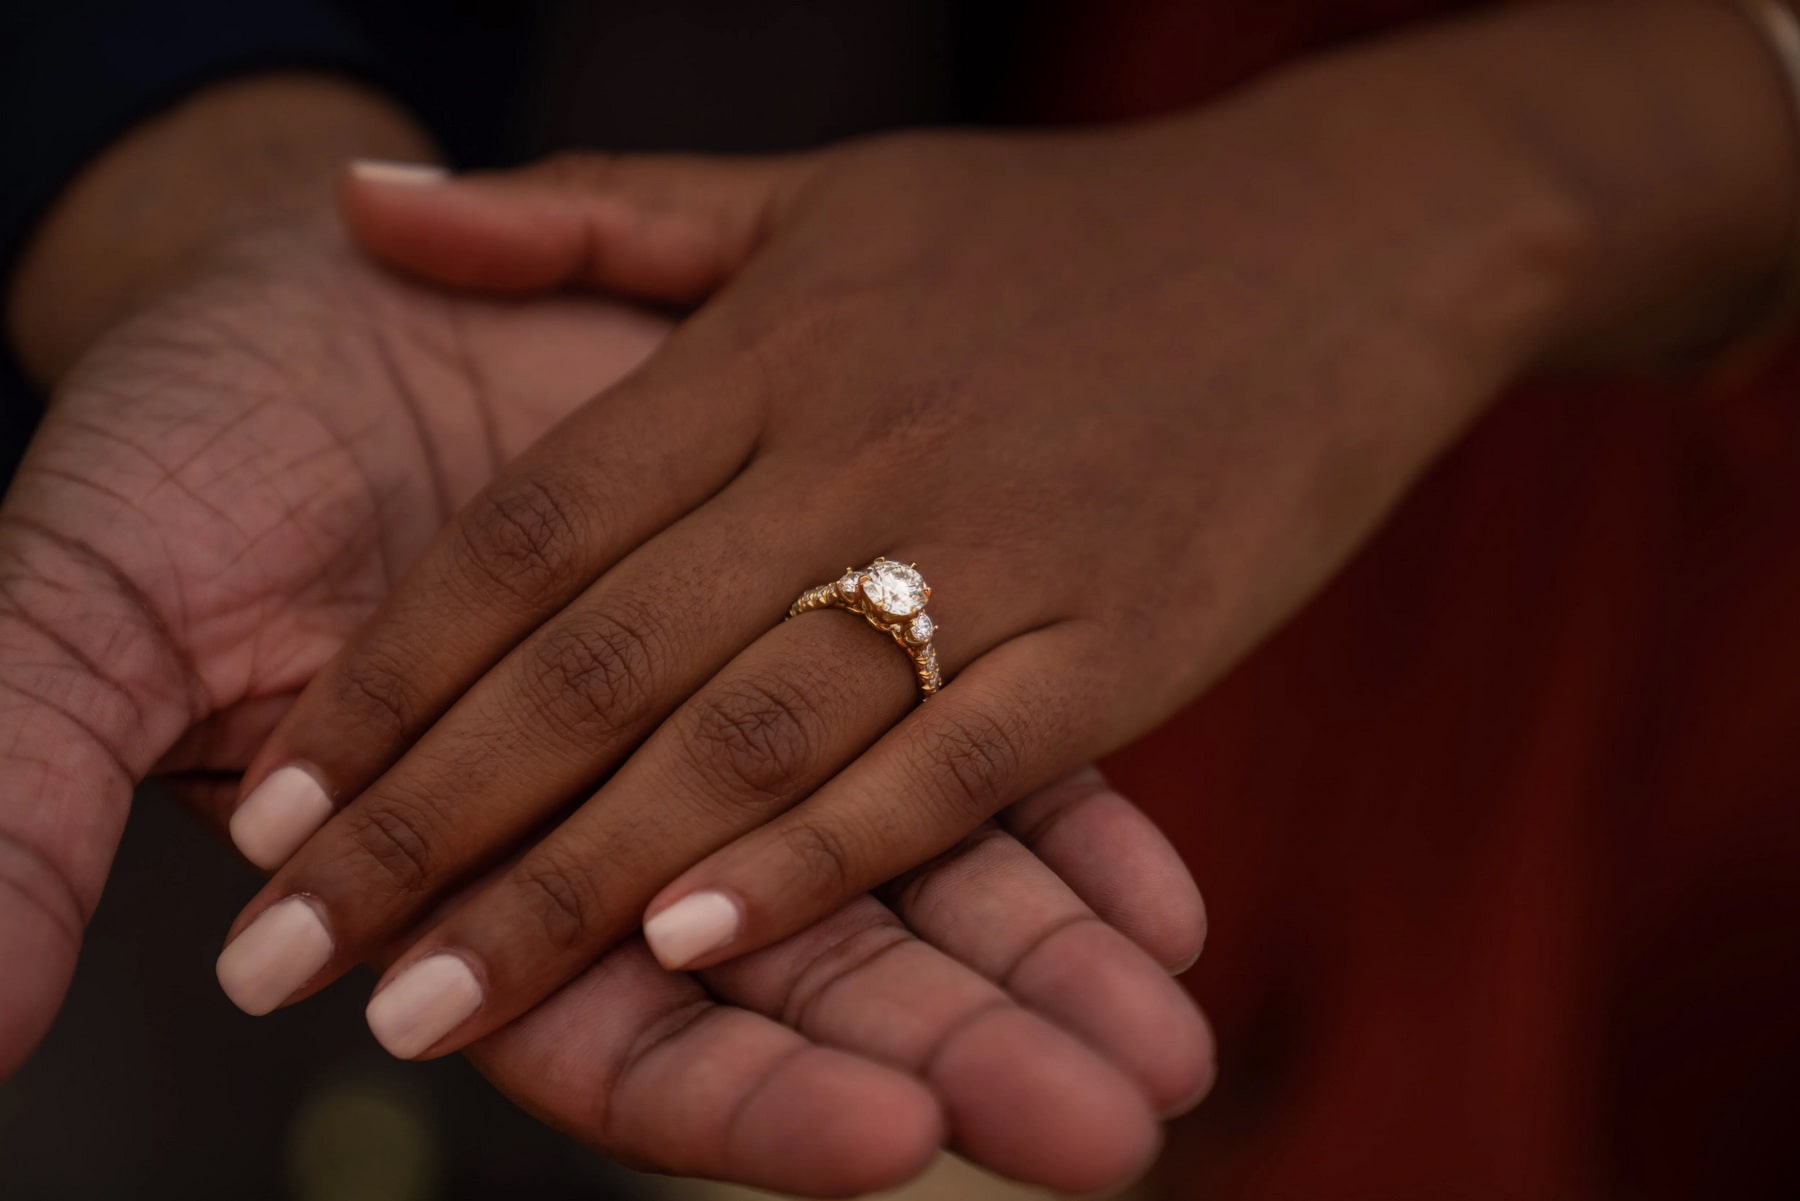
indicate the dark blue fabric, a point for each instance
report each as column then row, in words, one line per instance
column 74, row 74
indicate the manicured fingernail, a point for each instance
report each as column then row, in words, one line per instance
column 425, row 1002
column 373, row 170
column 279, row 814
column 276, row 954
column 692, row 926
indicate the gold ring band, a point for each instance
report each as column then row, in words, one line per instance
column 891, row 597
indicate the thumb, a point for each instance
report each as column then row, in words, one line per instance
column 90, row 689
column 657, row 227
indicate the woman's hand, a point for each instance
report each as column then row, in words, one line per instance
column 1126, row 397
column 980, row 1004
column 224, row 489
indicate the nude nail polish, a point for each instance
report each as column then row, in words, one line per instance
column 692, row 926
column 279, row 814
column 277, row 953
column 422, row 1004
column 373, row 170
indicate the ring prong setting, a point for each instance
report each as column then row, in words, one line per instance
column 891, row 596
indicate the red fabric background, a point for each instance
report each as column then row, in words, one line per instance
column 1501, row 837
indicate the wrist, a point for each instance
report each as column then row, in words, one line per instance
column 251, row 158
column 1663, row 127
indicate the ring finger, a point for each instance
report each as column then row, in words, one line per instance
column 775, row 724
column 535, row 733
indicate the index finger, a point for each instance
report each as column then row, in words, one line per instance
column 623, row 468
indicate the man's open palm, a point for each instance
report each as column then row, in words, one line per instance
column 220, row 493
column 227, row 486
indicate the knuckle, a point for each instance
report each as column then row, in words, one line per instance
column 931, row 888
column 394, row 840
column 754, row 738
column 592, row 674
column 524, row 538
column 836, row 963
column 823, row 855
column 914, row 429
column 782, row 350
column 559, row 898
column 978, row 759
column 374, row 695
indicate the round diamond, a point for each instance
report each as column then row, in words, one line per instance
column 921, row 628
column 848, row 584
column 894, row 588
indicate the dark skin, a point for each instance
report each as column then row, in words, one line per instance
column 1128, row 396
column 228, row 482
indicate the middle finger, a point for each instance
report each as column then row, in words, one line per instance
column 774, row 725
column 534, row 733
